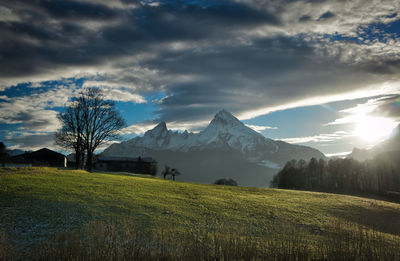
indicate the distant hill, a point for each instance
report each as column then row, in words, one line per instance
column 226, row 148
column 392, row 144
column 15, row 152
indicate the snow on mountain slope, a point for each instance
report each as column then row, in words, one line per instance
column 224, row 133
column 228, row 130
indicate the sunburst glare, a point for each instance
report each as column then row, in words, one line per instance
column 372, row 129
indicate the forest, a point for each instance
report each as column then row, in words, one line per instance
column 380, row 175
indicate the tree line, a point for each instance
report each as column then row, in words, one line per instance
column 87, row 122
column 380, row 175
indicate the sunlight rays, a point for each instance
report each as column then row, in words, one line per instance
column 372, row 129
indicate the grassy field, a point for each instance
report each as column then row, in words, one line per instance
column 44, row 210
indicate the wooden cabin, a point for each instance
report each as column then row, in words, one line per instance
column 145, row 165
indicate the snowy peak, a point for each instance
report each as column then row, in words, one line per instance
column 225, row 122
column 226, row 131
column 158, row 131
column 226, row 119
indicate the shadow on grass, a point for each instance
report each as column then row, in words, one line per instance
column 124, row 240
column 375, row 217
column 29, row 221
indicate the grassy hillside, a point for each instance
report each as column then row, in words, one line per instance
column 41, row 203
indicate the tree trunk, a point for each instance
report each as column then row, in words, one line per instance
column 89, row 161
column 82, row 163
column 77, row 159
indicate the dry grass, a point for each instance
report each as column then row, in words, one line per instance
column 99, row 240
column 49, row 214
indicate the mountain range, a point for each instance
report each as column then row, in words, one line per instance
column 226, row 148
column 392, row 144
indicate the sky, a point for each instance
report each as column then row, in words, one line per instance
column 319, row 73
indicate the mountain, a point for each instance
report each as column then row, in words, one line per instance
column 15, row 152
column 225, row 148
column 392, row 144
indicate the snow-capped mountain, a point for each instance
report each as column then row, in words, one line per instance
column 225, row 138
column 224, row 132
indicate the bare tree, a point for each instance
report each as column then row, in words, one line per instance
column 101, row 121
column 70, row 136
column 225, row 181
column 87, row 123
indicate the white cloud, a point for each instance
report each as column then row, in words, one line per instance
column 319, row 138
column 347, row 18
column 28, row 141
column 137, row 129
column 360, row 111
column 371, row 91
column 35, row 111
column 54, row 74
column 259, row 128
column 7, row 15
column 124, row 96
column 338, row 154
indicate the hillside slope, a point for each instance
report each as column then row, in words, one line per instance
column 39, row 202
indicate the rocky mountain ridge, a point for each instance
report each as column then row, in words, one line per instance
column 225, row 137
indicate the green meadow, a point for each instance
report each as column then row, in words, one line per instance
column 45, row 212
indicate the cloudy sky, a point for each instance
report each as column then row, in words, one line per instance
column 314, row 72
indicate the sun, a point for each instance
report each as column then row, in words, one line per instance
column 372, row 129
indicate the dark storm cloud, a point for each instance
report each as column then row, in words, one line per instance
column 30, row 119
column 10, row 29
column 76, row 10
column 61, row 9
column 315, row 1
column 205, row 55
column 32, row 141
column 32, row 46
column 191, row 22
column 29, row 48
column 305, row 18
column 268, row 72
column 387, row 67
column 326, row 15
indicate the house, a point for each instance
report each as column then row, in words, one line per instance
column 145, row 165
column 71, row 161
column 42, row 157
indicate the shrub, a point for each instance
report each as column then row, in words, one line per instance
column 227, row 182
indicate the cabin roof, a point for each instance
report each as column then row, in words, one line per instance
column 125, row 159
column 44, row 153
